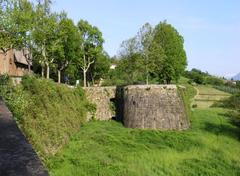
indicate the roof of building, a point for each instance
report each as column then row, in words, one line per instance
column 20, row 58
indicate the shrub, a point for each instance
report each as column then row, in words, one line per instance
column 227, row 88
column 48, row 113
column 214, row 80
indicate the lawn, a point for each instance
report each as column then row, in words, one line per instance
column 210, row 147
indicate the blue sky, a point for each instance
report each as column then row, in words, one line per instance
column 211, row 28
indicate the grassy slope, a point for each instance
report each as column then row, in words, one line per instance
column 208, row 96
column 210, row 147
column 47, row 113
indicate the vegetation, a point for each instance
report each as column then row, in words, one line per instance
column 60, row 49
column 52, row 115
column 154, row 55
column 228, row 88
column 208, row 96
column 209, row 147
column 233, row 103
column 107, row 148
column 67, row 52
column 200, row 77
column 204, row 78
column 49, row 114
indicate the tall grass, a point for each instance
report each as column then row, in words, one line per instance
column 232, row 90
column 109, row 149
column 47, row 113
column 209, row 147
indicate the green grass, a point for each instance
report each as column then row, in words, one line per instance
column 47, row 113
column 210, row 147
column 209, row 90
column 207, row 96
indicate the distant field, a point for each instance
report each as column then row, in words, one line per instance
column 210, row 91
column 208, row 95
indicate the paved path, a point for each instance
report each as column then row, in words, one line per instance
column 17, row 157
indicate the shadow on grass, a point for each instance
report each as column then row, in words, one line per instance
column 223, row 129
column 233, row 116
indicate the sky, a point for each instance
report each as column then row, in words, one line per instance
column 211, row 28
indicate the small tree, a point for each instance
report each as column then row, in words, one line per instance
column 168, row 38
column 90, row 46
column 69, row 40
column 44, row 35
column 145, row 36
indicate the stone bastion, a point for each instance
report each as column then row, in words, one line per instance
column 141, row 106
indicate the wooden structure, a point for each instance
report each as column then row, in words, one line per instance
column 15, row 63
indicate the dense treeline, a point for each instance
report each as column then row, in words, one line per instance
column 67, row 52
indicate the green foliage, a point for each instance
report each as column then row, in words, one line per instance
column 233, row 102
column 196, row 75
column 155, row 55
column 4, row 85
column 107, row 148
column 171, row 42
column 49, row 114
column 229, row 89
column 187, row 94
column 16, row 22
column 214, row 80
column 90, row 48
column 4, row 80
column 100, row 68
column 238, row 84
column 200, row 77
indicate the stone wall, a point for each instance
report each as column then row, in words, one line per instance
column 103, row 97
column 140, row 106
column 154, row 107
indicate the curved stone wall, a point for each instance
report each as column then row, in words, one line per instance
column 154, row 107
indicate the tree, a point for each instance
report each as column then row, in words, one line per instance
column 6, row 35
column 44, row 35
column 168, row 38
column 133, row 63
column 69, row 40
column 100, row 68
column 90, row 46
column 145, row 37
column 16, row 22
column 156, row 60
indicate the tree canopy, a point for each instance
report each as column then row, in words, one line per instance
column 66, row 51
column 155, row 55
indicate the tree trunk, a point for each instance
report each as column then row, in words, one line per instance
column 59, row 76
column 29, row 68
column 43, row 70
column 84, row 79
column 48, row 70
column 146, row 57
column 4, row 63
column 147, row 79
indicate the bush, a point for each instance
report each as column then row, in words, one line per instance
column 229, row 89
column 48, row 113
column 214, row 80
